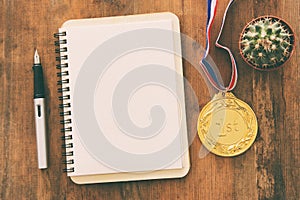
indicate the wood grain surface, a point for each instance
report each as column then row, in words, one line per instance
column 270, row 169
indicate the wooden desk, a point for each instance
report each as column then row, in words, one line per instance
column 269, row 170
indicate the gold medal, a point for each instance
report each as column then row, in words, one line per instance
column 227, row 126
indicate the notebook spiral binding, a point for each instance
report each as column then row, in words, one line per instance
column 65, row 105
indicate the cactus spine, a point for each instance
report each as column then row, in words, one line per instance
column 266, row 42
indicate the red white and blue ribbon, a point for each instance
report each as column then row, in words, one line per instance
column 208, row 70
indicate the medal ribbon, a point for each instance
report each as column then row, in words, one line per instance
column 208, row 70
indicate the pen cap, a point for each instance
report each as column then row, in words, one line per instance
column 39, row 90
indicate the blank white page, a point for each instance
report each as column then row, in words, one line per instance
column 116, row 134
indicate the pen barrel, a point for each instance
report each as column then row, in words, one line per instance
column 39, row 89
column 40, row 123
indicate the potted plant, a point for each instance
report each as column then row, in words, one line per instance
column 266, row 42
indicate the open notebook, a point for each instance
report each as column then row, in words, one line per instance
column 122, row 98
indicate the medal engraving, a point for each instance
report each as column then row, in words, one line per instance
column 227, row 126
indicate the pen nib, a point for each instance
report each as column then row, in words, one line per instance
column 36, row 58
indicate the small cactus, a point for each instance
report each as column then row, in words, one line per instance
column 266, row 42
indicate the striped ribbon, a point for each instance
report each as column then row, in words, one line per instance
column 208, row 70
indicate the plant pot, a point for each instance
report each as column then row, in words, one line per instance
column 267, row 42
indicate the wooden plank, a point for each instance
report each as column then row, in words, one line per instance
column 269, row 170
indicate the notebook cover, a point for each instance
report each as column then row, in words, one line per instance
column 152, row 174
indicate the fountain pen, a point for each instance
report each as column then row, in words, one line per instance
column 39, row 109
